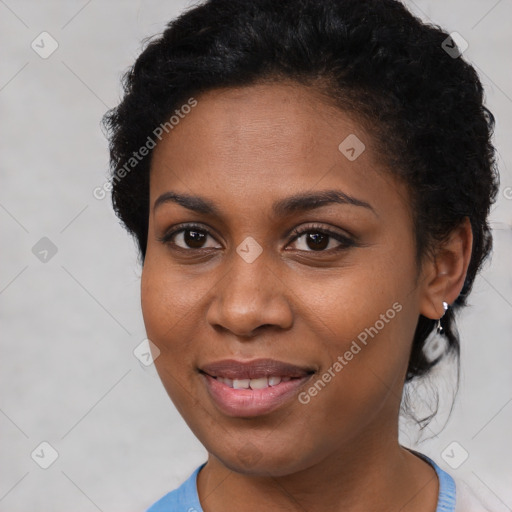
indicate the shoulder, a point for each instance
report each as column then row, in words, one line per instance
column 182, row 499
column 454, row 493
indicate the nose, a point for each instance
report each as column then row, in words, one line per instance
column 250, row 296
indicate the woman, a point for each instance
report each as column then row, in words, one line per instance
column 308, row 182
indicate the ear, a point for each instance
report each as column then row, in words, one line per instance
column 444, row 274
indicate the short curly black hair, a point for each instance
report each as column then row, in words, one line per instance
column 422, row 103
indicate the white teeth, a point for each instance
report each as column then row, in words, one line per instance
column 241, row 383
column 228, row 382
column 260, row 383
column 273, row 381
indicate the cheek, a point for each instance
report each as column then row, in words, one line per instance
column 173, row 311
column 167, row 298
column 356, row 299
column 155, row 302
column 366, row 317
column 163, row 311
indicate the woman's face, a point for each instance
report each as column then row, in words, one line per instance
column 339, row 301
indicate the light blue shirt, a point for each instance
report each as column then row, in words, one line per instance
column 186, row 499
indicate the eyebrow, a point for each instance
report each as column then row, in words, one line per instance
column 301, row 202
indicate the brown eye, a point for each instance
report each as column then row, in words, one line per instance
column 193, row 238
column 316, row 239
column 188, row 238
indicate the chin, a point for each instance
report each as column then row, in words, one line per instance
column 250, row 459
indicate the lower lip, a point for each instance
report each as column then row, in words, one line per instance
column 252, row 402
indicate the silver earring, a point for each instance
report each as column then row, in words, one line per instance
column 439, row 327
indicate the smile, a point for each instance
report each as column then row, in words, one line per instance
column 255, row 388
column 262, row 382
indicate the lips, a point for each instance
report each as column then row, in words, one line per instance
column 254, row 370
column 255, row 388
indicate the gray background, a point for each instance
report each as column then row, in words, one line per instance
column 70, row 324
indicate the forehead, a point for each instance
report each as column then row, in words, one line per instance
column 268, row 139
column 247, row 124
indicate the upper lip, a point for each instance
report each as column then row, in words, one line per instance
column 257, row 368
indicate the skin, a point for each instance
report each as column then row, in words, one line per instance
column 244, row 149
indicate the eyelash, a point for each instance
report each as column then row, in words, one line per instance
column 345, row 241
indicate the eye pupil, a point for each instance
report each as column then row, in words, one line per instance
column 193, row 237
column 320, row 241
